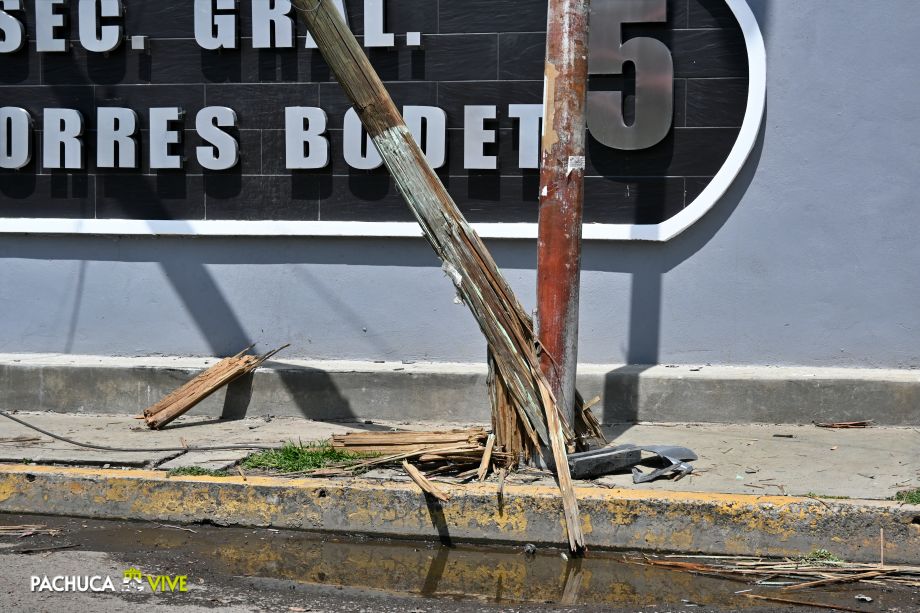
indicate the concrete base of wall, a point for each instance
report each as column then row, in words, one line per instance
column 457, row 392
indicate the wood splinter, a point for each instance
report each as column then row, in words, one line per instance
column 184, row 399
column 422, row 481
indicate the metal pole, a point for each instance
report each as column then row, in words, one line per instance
column 561, row 196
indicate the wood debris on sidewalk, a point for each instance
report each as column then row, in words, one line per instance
column 184, row 399
column 392, row 443
column 844, row 425
column 465, row 454
column 422, row 481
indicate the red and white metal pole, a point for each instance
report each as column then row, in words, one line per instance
column 561, row 195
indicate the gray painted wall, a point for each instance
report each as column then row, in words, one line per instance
column 811, row 259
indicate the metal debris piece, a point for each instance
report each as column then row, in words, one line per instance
column 677, row 458
column 607, row 460
column 604, row 461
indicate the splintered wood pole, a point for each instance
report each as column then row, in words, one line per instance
column 506, row 326
column 184, row 399
column 561, row 196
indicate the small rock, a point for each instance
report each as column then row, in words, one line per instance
column 863, row 598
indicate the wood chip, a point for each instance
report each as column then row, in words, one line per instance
column 846, row 424
column 486, row 458
column 427, row 486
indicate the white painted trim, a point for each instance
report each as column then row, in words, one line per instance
column 756, row 104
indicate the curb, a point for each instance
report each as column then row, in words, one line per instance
column 690, row 523
column 330, row 390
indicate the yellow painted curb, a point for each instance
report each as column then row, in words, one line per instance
column 682, row 522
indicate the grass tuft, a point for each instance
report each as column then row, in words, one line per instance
column 826, row 496
column 819, row 556
column 908, row 496
column 293, row 458
column 196, row 471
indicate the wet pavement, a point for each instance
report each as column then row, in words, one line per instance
column 236, row 569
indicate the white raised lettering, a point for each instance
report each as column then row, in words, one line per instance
column 163, row 136
column 428, row 125
column 223, row 151
column 271, row 18
column 94, row 36
column 15, row 137
column 305, row 146
column 62, row 131
column 374, row 25
column 47, row 21
column 476, row 136
column 360, row 151
column 116, row 146
column 13, row 31
column 530, row 116
column 215, row 24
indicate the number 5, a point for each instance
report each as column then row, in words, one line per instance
column 654, row 75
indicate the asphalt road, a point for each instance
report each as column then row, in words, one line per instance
column 236, row 570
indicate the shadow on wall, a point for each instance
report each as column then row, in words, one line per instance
column 192, row 282
column 648, row 263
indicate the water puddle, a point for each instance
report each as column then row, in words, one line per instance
column 485, row 574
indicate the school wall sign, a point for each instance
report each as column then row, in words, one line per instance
column 218, row 117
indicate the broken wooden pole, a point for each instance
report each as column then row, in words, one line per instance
column 184, row 399
column 562, row 172
column 505, row 324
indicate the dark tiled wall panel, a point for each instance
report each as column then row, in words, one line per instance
column 475, row 52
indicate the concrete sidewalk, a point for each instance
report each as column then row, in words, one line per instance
column 872, row 463
column 757, row 490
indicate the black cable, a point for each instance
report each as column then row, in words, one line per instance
column 133, row 450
